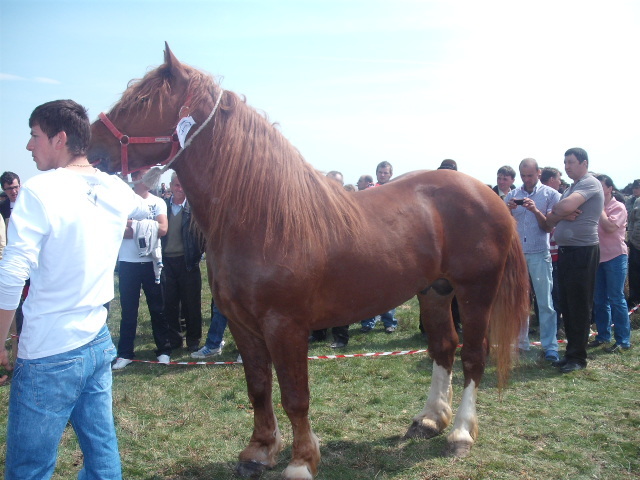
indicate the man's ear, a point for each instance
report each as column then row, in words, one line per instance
column 59, row 140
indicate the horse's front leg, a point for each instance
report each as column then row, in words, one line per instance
column 290, row 361
column 435, row 315
column 266, row 442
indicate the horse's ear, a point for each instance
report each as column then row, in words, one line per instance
column 169, row 58
column 172, row 64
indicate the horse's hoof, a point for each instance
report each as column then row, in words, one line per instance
column 251, row 470
column 418, row 430
column 458, row 449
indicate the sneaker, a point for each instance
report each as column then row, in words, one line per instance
column 206, row 352
column 338, row 344
column 389, row 329
column 239, row 359
column 120, row 363
column 616, row 347
column 164, row 359
column 595, row 343
column 551, row 356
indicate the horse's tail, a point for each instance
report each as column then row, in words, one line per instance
column 510, row 309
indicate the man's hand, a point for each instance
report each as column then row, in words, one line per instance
column 572, row 216
column 4, row 362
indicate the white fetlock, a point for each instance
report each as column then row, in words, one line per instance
column 297, row 472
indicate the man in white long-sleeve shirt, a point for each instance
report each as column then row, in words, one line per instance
column 67, row 244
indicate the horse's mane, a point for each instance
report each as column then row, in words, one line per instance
column 259, row 178
column 256, row 179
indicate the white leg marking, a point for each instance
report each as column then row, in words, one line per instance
column 437, row 411
column 298, row 472
column 465, row 426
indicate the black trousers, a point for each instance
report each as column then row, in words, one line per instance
column 576, row 281
column 132, row 277
column 182, row 288
column 634, row 275
column 340, row 334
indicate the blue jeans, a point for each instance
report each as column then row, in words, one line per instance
column 609, row 304
column 48, row 392
column 216, row 329
column 540, row 272
column 388, row 320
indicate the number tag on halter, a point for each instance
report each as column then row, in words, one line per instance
column 184, row 125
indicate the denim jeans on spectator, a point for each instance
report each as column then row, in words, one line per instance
column 388, row 320
column 540, row 272
column 609, row 304
column 48, row 392
column 216, row 329
column 555, row 294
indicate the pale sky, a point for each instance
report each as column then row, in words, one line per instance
column 352, row 83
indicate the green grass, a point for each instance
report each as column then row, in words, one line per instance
column 190, row 422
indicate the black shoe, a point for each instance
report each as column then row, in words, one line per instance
column 193, row 348
column 338, row 344
column 560, row 363
column 595, row 343
column 316, row 339
column 616, row 347
column 572, row 367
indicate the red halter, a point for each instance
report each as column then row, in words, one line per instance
column 125, row 140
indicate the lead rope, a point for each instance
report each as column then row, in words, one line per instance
column 152, row 177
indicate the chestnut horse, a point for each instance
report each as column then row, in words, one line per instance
column 290, row 251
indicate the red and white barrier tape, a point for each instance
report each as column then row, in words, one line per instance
column 331, row 357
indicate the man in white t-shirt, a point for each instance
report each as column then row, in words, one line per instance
column 135, row 271
column 67, row 244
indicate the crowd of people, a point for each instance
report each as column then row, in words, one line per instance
column 579, row 250
column 580, row 242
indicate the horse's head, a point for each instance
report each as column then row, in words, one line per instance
column 140, row 129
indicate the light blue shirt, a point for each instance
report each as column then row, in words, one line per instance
column 175, row 209
column 534, row 239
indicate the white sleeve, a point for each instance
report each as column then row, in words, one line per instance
column 28, row 229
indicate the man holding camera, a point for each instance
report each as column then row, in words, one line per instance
column 530, row 204
column 137, row 271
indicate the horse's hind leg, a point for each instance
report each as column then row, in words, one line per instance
column 475, row 308
column 265, row 443
column 435, row 314
column 292, row 369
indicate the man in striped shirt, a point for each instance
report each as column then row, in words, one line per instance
column 530, row 205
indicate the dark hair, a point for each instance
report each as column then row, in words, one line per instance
column 448, row 164
column 366, row 178
column 384, row 165
column 606, row 179
column 579, row 153
column 507, row 171
column 548, row 173
column 8, row 177
column 64, row 116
